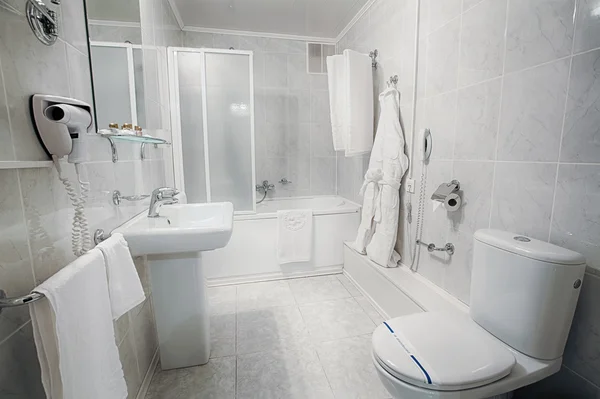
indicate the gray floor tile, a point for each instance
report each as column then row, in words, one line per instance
column 222, row 299
column 264, row 295
column 348, row 285
column 216, row 379
column 349, row 368
column 317, row 289
column 222, row 335
column 370, row 310
column 296, row 374
column 337, row 319
column 270, row 329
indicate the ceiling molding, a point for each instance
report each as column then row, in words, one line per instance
column 326, row 40
column 120, row 24
column 354, row 20
column 176, row 13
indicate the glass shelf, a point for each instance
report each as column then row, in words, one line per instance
column 143, row 140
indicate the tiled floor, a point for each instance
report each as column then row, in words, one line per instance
column 301, row 338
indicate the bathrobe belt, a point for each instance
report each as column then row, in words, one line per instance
column 375, row 176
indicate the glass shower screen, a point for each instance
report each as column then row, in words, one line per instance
column 214, row 122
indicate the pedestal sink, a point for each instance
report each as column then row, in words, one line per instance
column 174, row 242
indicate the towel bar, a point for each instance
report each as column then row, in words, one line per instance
column 18, row 301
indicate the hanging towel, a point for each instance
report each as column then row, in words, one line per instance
column 359, row 108
column 336, row 71
column 74, row 335
column 295, row 236
column 124, row 286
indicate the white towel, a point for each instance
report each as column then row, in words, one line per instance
column 74, row 334
column 336, row 71
column 124, row 286
column 295, row 236
column 359, row 108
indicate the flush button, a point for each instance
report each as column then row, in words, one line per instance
column 522, row 239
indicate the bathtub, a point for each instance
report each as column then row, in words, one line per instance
column 251, row 254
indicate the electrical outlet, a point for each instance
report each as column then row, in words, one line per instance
column 410, row 185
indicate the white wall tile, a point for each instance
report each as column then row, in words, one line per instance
column 581, row 137
column 440, row 117
column 442, row 11
column 532, row 112
column 538, row 31
column 442, row 58
column 477, row 121
column 523, row 196
column 587, row 34
column 482, row 42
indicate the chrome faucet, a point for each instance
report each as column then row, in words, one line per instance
column 265, row 186
column 162, row 196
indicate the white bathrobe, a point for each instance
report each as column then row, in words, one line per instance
column 381, row 188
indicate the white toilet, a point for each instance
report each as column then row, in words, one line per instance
column 523, row 297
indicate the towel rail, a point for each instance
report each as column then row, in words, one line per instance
column 19, row 300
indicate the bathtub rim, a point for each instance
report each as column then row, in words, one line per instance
column 353, row 208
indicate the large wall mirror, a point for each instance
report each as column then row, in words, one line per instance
column 117, row 62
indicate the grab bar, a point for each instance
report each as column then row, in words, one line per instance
column 448, row 248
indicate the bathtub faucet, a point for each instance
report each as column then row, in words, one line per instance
column 265, row 186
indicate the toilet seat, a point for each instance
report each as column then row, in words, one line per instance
column 440, row 352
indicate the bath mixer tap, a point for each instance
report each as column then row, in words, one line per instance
column 161, row 196
column 265, row 186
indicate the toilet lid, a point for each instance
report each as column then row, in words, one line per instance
column 440, row 352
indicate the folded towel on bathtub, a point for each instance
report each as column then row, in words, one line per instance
column 295, row 236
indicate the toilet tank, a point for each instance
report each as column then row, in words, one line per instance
column 524, row 291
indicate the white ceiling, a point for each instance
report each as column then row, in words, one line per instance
column 315, row 18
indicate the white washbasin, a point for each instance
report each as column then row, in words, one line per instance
column 180, row 229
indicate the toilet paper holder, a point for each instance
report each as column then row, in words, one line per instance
column 445, row 189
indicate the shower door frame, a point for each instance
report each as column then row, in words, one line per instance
column 173, row 71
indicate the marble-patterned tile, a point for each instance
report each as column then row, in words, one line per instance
column 20, row 374
column 26, row 65
column 576, row 212
column 533, row 102
column 441, row 120
column 319, row 107
column 442, row 11
column 348, row 285
column 6, row 150
column 349, row 368
column 226, row 41
column 538, row 31
column 468, row 4
column 336, row 319
column 284, row 46
column 298, row 107
column 276, row 70
column 482, row 42
column 581, row 136
column 478, row 112
column 476, row 192
column 582, row 354
column 198, row 40
column 370, row 310
column 130, row 366
column 80, row 77
column 457, row 276
column 587, row 32
column 295, row 374
column 321, row 140
column 522, row 198
column 16, row 272
column 216, row 379
column 222, row 335
column 297, row 78
column 264, row 295
column 442, row 58
column 144, row 332
column 298, row 165
column 317, row 289
column 222, row 299
column 271, row 329
column 322, row 176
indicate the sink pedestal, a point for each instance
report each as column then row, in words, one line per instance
column 181, row 309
